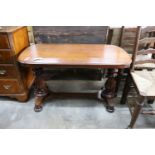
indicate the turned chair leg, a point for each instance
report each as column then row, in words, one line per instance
column 136, row 112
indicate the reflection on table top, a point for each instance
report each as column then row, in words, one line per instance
column 75, row 55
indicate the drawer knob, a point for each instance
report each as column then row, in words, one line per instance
column 7, row 87
column 2, row 72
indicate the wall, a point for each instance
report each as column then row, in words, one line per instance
column 127, row 44
column 71, row 34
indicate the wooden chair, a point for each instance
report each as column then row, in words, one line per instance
column 141, row 75
column 127, row 41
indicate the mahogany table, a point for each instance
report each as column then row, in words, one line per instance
column 41, row 56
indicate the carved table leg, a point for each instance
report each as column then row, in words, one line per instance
column 41, row 89
column 109, row 92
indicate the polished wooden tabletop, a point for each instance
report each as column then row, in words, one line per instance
column 75, row 55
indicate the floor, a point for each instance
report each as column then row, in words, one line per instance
column 68, row 112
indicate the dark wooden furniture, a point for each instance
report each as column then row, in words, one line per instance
column 128, row 41
column 43, row 56
column 15, row 81
column 142, row 76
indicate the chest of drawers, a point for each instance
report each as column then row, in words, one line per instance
column 15, row 80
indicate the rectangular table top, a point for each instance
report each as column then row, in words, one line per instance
column 88, row 55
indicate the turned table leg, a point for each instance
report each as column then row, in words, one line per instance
column 41, row 89
column 108, row 93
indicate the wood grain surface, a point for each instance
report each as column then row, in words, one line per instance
column 75, row 55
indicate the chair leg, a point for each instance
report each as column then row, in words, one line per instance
column 150, row 101
column 118, row 79
column 136, row 112
column 126, row 90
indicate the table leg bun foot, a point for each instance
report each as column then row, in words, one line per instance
column 109, row 93
column 110, row 109
column 38, row 108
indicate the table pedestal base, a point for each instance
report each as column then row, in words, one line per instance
column 41, row 91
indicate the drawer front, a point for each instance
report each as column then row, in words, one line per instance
column 5, row 57
column 10, row 87
column 8, row 72
column 4, row 41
